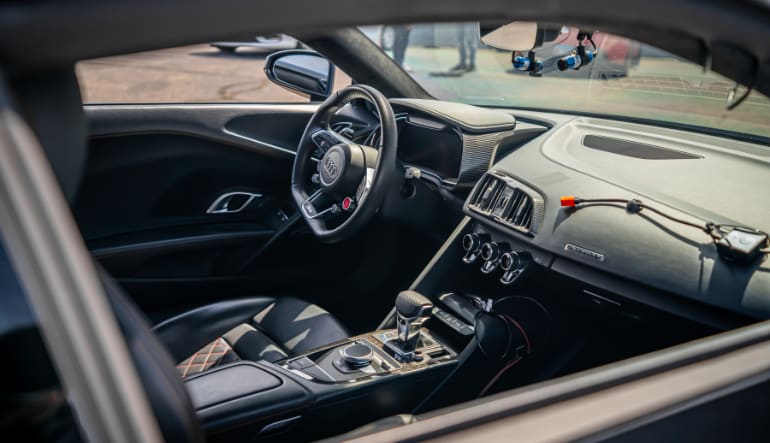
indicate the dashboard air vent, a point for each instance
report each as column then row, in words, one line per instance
column 488, row 190
column 518, row 210
column 508, row 202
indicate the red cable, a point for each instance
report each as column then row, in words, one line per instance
column 523, row 333
column 512, row 363
column 499, row 374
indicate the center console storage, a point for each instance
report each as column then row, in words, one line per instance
column 247, row 392
column 302, row 397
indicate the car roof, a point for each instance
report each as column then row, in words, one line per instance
column 728, row 36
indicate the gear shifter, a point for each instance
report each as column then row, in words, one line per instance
column 412, row 310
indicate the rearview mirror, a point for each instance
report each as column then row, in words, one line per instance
column 301, row 71
column 521, row 36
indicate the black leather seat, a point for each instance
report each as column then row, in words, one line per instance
column 257, row 328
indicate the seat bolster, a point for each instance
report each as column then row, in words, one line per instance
column 298, row 326
column 186, row 333
column 250, row 344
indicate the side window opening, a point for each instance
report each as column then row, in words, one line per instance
column 216, row 72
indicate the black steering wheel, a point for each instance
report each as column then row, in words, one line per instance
column 339, row 194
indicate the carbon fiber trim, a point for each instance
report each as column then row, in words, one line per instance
column 478, row 152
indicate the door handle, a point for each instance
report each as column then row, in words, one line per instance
column 232, row 202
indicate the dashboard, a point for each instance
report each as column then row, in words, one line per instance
column 452, row 142
column 681, row 175
column 515, row 169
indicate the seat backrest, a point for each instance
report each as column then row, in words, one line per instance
column 32, row 391
column 162, row 383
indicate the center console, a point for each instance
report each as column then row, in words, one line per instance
column 381, row 373
column 439, row 345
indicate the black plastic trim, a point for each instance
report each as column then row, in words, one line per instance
column 258, row 408
column 673, row 304
column 630, row 148
column 178, row 244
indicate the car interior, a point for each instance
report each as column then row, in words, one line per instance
column 349, row 265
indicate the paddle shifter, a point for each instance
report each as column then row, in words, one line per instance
column 412, row 310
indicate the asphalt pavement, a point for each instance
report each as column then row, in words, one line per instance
column 189, row 74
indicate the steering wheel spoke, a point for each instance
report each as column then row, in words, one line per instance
column 371, row 156
column 324, row 139
column 319, row 199
column 366, row 185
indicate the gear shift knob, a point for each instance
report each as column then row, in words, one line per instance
column 412, row 310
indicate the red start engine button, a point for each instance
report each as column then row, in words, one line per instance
column 347, row 204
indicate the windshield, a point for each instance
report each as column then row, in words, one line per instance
column 626, row 78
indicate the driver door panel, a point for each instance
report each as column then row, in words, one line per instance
column 152, row 174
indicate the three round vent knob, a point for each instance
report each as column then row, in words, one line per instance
column 494, row 255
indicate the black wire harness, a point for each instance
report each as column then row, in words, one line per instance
column 734, row 243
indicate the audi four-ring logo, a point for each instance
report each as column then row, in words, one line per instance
column 331, row 168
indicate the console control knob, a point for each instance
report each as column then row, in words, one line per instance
column 357, row 355
column 491, row 253
column 514, row 264
column 509, row 261
column 471, row 243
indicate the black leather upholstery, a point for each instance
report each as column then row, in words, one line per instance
column 164, row 388
column 251, row 344
column 187, row 333
column 298, row 326
column 258, row 328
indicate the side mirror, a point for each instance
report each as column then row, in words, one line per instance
column 302, row 71
column 521, row 36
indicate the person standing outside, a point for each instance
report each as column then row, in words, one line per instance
column 400, row 42
column 468, row 41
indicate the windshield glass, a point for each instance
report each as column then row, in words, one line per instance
column 626, row 78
